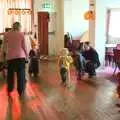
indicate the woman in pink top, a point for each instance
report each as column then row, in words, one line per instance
column 16, row 54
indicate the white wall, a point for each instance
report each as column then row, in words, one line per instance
column 74, row 16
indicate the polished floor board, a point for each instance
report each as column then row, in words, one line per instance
column 46, row 99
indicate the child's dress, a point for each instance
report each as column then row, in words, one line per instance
column 34, row 62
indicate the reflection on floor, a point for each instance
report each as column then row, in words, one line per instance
column 45, row 99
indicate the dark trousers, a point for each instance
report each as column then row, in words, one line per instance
column 63, row 73
column 18, row 66
column 34, row 67
column 90, row 68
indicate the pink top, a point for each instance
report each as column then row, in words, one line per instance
column 14, row 45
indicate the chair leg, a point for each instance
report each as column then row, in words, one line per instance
column 115, row 70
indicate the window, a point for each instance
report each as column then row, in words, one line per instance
column 113, row 26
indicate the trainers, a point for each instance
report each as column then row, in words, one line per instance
column 22, row 96
column 63, row 83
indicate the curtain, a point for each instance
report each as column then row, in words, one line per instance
column 7, row 18
column 107, row 24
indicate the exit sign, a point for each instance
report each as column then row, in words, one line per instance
column 47, row 5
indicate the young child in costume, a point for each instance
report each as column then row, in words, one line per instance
column 34, row 60
column 65, row 61
column 79, row 61
column 3, row 63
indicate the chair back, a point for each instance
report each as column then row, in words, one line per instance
column 117, row 57
column 118, row 46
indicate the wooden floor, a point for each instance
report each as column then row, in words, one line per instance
column 45, row 99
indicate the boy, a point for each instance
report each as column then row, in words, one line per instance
column 34, row 60
column 79, row 61
column 2, row 60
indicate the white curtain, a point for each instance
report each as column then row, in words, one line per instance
column 8, row 19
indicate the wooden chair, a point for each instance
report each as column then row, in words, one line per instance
column 109, row 56
column 116, row 53
column 118, row 46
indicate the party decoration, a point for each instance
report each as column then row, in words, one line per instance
column 19, row 11
column 89, row 15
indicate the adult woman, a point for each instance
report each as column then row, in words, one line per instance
column 16, row 53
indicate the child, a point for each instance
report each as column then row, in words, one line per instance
column 79, row 63
column 2, row 60
column 64, row 64
column 34, row 60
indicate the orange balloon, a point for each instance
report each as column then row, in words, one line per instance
column 89, row 15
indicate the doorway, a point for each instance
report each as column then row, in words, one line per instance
column 43, row 19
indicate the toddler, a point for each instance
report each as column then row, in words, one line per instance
column 64, row 65
column 34, row 60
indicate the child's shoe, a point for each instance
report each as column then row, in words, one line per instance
column 63, row 83
column 79, row 76
column 4, row 73
column 35, row 75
